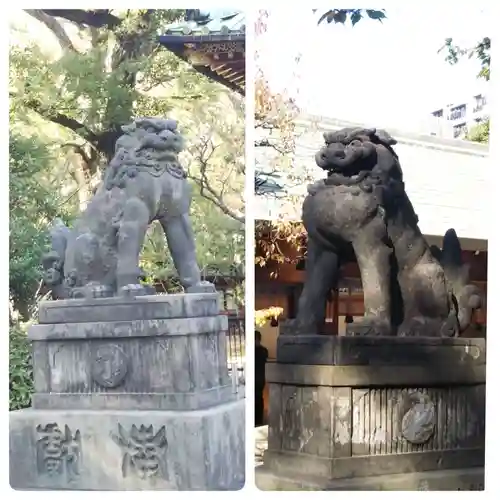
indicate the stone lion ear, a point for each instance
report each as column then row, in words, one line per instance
column 385, row 138
column 452, row 250
column 330, row 137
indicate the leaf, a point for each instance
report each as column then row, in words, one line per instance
column 356, row 16
column 481, row 51
column 376, row 14
column 340, row 16
column 326, row 15
column 20, row 369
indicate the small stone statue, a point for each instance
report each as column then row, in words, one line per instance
column 362, row 206
column 144, row 182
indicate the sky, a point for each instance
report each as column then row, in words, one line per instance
column 383, row 74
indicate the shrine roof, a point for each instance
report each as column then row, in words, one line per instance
column 213, row 42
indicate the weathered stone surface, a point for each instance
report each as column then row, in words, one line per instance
column 261, row 437
column 361, row 211
column 152, row 364
column 375, row 465
column 378, row 401
column 380, row 351
column 93, row 357
column 419, row 419
column 326, row 417
column 370, row 376
column 144, row 182
column 128, row 450
column 202, row 287
column 361, row 412
column 180, row 305
column 129, row 329
column 196, row 400
column 446, row 480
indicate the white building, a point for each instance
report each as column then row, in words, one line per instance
column 454, row 120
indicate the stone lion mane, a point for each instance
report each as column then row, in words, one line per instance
column 148, row 144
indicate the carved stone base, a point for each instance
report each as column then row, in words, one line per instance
column 131, row 393
column 447, row 480
column 144, row 353
column 357, row 407
column 128, row 450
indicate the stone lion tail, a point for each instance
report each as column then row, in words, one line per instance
column 466, row 297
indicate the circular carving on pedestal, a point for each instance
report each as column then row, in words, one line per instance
column 110, row 366
column 473, row 351
column 419, row 418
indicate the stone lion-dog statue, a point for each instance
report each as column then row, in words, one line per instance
column 144, row 182
column 410, row 288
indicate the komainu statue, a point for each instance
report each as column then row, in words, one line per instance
column 144, row 182
column 410, row 289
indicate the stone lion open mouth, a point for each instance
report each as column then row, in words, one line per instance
column 350, row 155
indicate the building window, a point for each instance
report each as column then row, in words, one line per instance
column 457, row 112
column 459, row 130
column 479, row 103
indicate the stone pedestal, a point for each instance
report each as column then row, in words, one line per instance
column 366, row 412
column 130, row 393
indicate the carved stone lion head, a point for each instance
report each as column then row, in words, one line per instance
column 151, row 133
column 147, row 143
column 351, row 151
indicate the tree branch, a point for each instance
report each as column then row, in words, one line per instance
column 54, row 26
column 133, row 45
column 79, row 149
column 63, row 120
column 206, row 189
column 266, row 143
column 208, row 193
column 98, row 18
column 104, row 142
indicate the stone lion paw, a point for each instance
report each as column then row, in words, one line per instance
column 369, row 327
column 101, row 291
column 132, row 290
column 421, row 326
column 201, row 287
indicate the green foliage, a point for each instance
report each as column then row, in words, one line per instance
column 481, row 51
column 220, row 244
column 480, row 132
column 98, row 83
column 34, row 202
column 355, row 15
column 20, row 369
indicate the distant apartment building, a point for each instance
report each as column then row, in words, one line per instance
column 454, row 120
